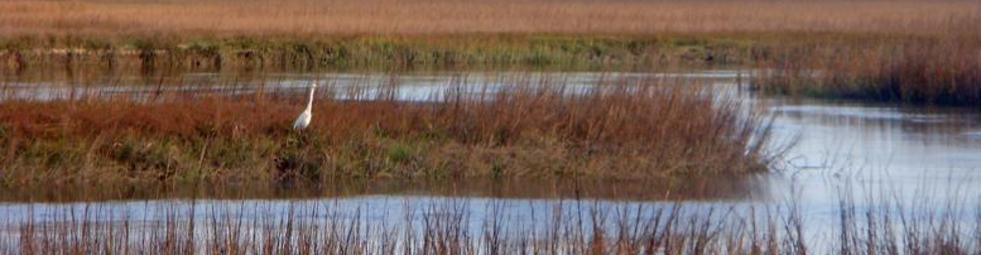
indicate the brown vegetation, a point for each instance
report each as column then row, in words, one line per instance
column 298, row 18
column 907, row 51
column 619, row 129
column 944, row 70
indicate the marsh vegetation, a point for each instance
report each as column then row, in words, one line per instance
column 440, row 225
column 621, row 128
column 490, row 127
column 897, row 51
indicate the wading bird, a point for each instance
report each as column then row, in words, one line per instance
column 304, row 120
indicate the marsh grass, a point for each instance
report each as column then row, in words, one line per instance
column 936, row 71
column 882, row 225
column 897, row 51
column 620, row 128
column 303, row 34
column 23, row 55
column 80, row 20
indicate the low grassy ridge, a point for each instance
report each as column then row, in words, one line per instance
column 639, row 129
column 375, row 52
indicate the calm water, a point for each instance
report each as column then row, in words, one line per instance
column 838, row 148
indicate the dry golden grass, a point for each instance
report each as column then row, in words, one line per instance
column 297, row 18
column 635, row 130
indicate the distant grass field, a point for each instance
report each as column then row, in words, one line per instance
column 923, row 52
column 306, row 18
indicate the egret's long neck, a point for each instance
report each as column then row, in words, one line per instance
column 310, row 102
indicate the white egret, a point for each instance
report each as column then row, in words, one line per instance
column 304, row 120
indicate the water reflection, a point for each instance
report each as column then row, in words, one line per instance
column 904, row 140
column 706, row 188
column 878, row 145
column 343, row 86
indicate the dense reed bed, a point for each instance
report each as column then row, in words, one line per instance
column 620, row 128
column 451, row 226
column 944, row 70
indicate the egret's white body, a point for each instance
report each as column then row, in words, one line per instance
column 304, row 120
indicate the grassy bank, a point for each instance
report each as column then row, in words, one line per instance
column 372, row 52
column 943, row 70
column 621, row 129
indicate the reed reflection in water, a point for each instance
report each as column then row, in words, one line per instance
column 444, row 225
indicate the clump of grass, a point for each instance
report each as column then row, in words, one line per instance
column 942, row 70
column 618, row 129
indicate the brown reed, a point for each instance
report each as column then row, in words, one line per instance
column 619, row 129
column 448, row 226
column 936, row 71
